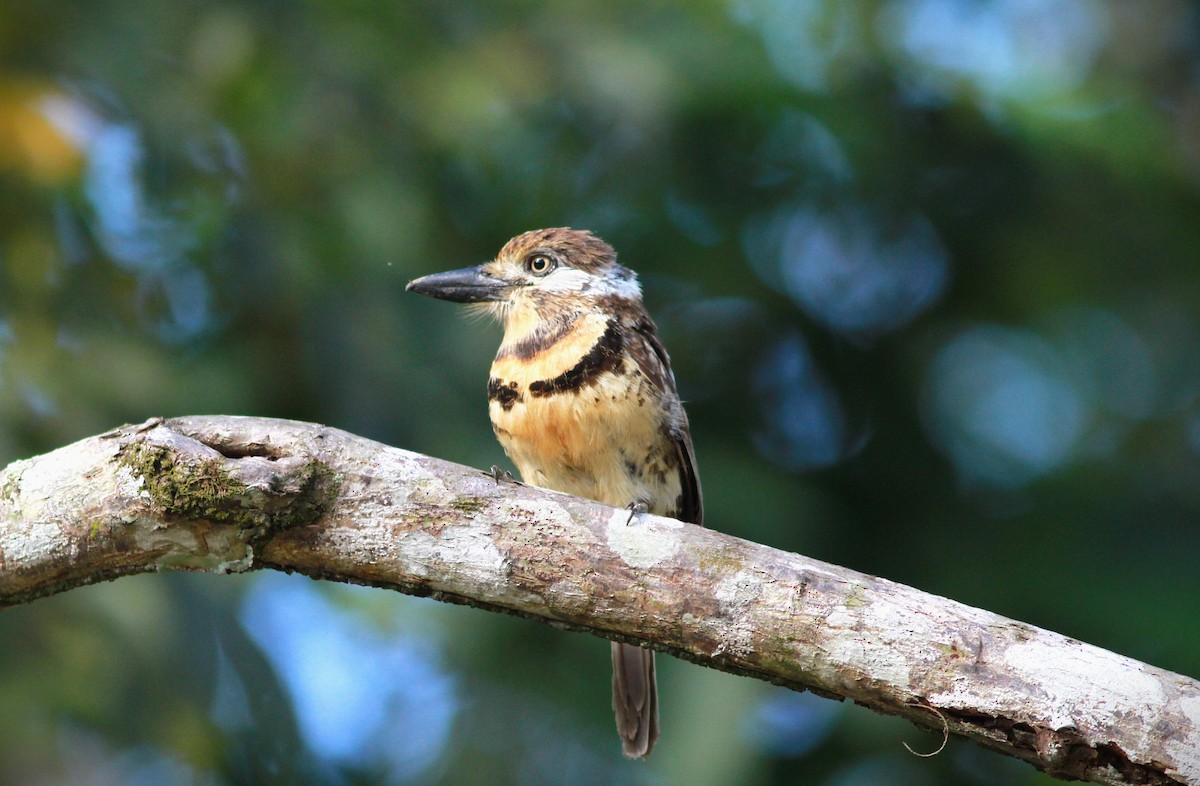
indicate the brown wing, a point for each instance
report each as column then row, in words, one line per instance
column 652, row 358
column 691, row 506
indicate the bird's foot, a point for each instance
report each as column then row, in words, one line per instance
column 498, row 475
column 636, row 509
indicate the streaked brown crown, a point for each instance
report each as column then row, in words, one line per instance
column 578, row 248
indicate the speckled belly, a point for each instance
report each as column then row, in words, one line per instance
column 605, row 441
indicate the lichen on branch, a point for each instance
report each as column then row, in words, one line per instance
column 229, row 494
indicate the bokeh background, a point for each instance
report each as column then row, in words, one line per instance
column 929, row 271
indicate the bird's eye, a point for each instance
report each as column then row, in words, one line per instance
column 539, row 264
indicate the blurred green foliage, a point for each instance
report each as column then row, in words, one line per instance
column 928, row 271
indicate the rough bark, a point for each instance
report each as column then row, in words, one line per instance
column 229, row 494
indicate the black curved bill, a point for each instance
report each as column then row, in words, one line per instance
column 469, row 285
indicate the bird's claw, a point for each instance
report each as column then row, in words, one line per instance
column 635, row 509
column 500, row 474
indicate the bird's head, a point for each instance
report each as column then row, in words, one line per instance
column 538, row 276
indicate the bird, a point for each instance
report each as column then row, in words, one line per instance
column 583, row 400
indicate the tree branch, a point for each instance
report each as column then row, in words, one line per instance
column 230, row 494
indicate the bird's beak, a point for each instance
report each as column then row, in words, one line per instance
column 469, row 285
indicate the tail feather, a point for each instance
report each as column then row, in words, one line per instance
column 635, row 699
